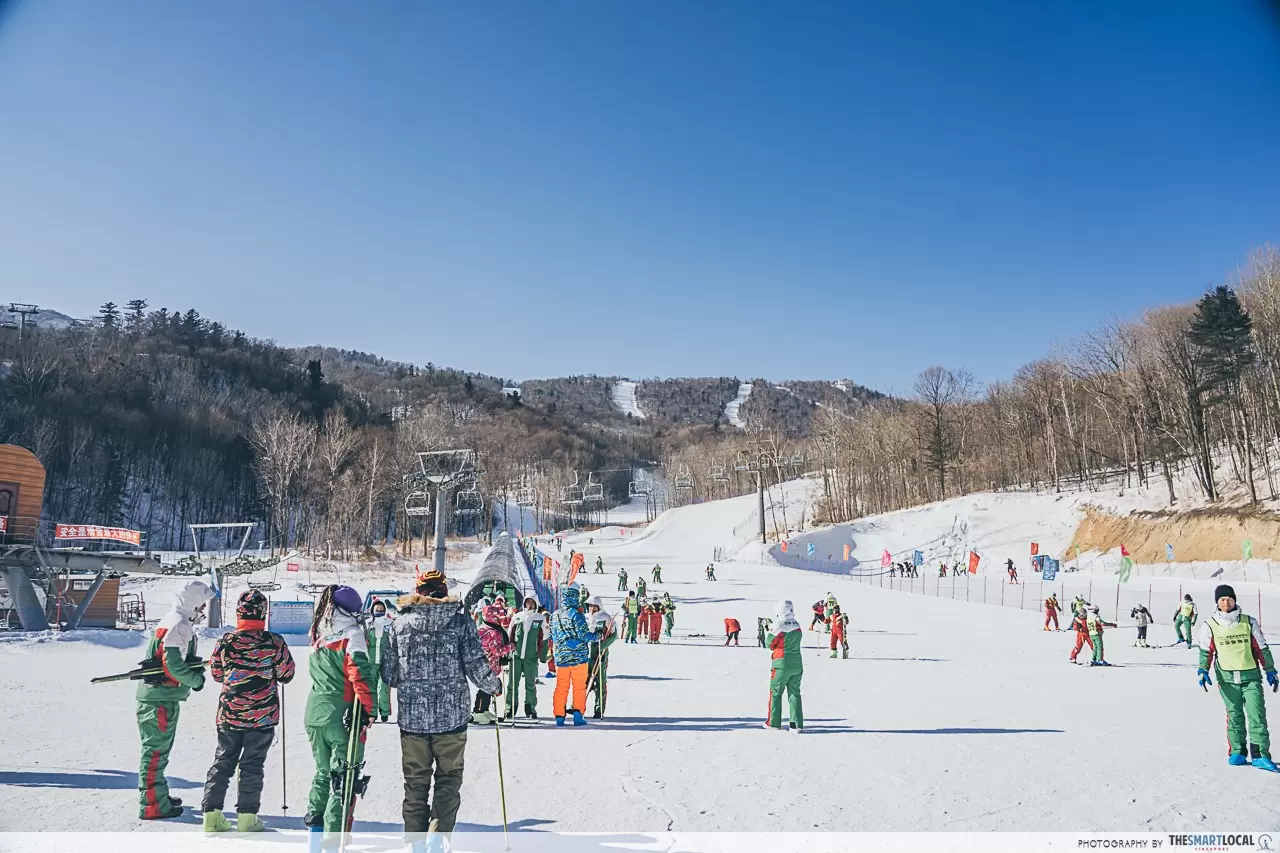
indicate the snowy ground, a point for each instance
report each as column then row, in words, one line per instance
column 949, row 717
column 733, row 409
column 624, row 397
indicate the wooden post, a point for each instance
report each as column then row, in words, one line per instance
column 1117, row 601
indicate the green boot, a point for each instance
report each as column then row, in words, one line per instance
column 249, row 823
column 833, row 654
column 216, row 822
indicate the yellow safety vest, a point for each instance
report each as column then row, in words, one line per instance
column 1187, row 607
column 1234, row 645
column 1093, row 623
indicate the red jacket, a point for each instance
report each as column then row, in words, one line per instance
column 731, row 626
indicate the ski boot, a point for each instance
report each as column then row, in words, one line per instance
column 483, row 718
column 577, row 719
column 1237, row 759
column 249, row 823
column 1262, row 762
column 315, row 838
column 833, row 654
column 175, row 801
column 595, row 715
column 216, row 822
column 560, row 721
column 172, row 812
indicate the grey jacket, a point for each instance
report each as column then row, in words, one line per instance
column 432, row 650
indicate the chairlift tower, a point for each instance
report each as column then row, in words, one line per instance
column 23, row 310
column 443, row 469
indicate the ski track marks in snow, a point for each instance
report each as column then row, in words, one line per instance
column 733, row 409
column 624, row 397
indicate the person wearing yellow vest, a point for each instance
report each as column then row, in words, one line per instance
column 1185, row 617
column 1095, row 624
column 1235, row 645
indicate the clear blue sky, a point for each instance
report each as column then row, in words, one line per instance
column 720, row 187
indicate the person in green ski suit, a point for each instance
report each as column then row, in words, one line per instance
column 173, row 647
column 631, row 607
column 1235, row 645
column 622, row 580
column 1095, row 623
column 668, row 613
column 529, row 636
column 1184, row 619
column 604, row 633
column 1079, row 607
column 599, row 565
column 341, row 680
column 764, row 626
column 376, row 637
column 642, row 588
column 787, row 669
column 657, row 573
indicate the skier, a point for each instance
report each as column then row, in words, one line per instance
column 601, row 625
column 1142, row 616
column 1078, row 624
column 341, row 692
column 668, row 613
column 942, row 570
column 786, row 669
column 655, row 622
column 839, row 632
column 731, row 630
column 642, row 588
column 172, row 647
column 764, row 626
column 599, row 565
column 571, row 638
column 1235, row 645
column 1184, row 619
column 819, row 614
column 527, row 637
column 711, row 571
column 1013, row 571
column 497, row 648
column 1079, row 606
column 432, row 652
column 248, row 663
column 657, row 574
column 893, row 570
column 1095, row 623
column 1051, row 610
column 376, row 636
column 631, row 612
column 622, row 580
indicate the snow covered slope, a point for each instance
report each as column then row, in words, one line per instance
column 948, row 716
column 733, row 409
column 624, row 397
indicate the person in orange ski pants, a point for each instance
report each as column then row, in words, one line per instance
column 1082, row 635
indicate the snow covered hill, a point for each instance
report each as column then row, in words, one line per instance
column 47, row 318
column 624, row 397
column 732, row 411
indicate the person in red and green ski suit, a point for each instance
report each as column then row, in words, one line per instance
column 1078, row 624
column 1184, row 620
column 1235, row 645
column 786, row 669
column 1094, row 624
column 376, row 638
column 528, row 635
column 172, row 647
column 341, row 679
column 631, row 610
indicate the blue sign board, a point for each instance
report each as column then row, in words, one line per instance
column 291, row 617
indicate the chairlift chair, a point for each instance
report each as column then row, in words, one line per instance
column 638, row 489
column 572, row 495
column 468, row 501
column 797, row 460
column 719, row 472
column 743, row 462
column 525, row 495
column 417, row 503
column 683, row 482
column 593, row 491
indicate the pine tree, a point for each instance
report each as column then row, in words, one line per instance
column 135, row 317
column 109, row 316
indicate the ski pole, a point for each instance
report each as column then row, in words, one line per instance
column 284, row 759
column 502, row 788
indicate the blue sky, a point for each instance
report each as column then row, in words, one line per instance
column 723, row 187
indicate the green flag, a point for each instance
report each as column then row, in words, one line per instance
column 1126, row 566
column 1248, row 549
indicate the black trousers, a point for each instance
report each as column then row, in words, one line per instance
column 247, row 749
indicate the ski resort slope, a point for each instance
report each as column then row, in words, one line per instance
column 624, row 397
column 733, row 409
column 948, row 716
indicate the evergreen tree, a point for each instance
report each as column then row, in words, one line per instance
column 315, row 376
column 135, row 317
column 109, row 316
column 1222, row 333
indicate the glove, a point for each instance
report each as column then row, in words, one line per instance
column 365, row 718
column 199, row 684
column 1273, row 682
column 1204, row 679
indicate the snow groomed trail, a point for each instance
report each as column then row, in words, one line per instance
column 949, row 717
column 624, row 397
column 733, row 409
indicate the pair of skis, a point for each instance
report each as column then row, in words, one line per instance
column 140, row 673
column 346, row 781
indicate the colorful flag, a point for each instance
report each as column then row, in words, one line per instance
column 1248, row 549
column 784, row 546
column 1035, row 548
column 1126, row 566
column 886, row 559
column 809, row 549
column 1050, row 569
column 917, row 558
column 1077, row 556
column 974, row 559
column 546, row 568
column 1124, row 552
column 846, row 553
column 1168, row 551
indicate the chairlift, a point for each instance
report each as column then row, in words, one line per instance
column 640, row 488
column 572, row 494
column 525, row 495
column 593, row 491
column 797, row 460
column 417, row 503
column 743, row 462
column 468, row 501
column 683, row 482
column 719, row 472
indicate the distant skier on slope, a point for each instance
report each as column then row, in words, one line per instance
column 599, row 565
column 642, row 588
column 668, row 613
column 819, row 615
column 839, row 632
column 657, row 574
column 1142, row 616
column 1078, row 624
column 1013, row 571
column 1051, row 610
column 711, row 571
column 631, row 611
column 1235, row 645
column 1184, row 619
column 732, row 627
column 764, row 626
column 1079, row 606
column 622, row 580
column 786, row 669
column 1095, row 623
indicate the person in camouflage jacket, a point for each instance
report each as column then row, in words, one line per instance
column 172, row 647
column 248, row 663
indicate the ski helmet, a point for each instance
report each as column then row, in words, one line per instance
column 1186, row 597
column 347, row 600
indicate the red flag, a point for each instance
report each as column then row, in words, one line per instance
column 546, row 568
column 846, row 553
column 1035, row 548
column 784, row 546
column 886, row 559
column 973, row 562
column 1124, row 552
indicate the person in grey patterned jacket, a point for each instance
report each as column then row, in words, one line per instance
column 432, row 650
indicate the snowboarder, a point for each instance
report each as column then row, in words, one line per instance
column 622, row 580
column 668, row 613
column 1078, row 624
column 764, row 626
column 657, row 574
column 497, row 647
column 1142, row 616
column 732, row 627
column 376, row 636
column 601, row 625
column 571, row 638
column 1051, row 610
column 599, row 565
column 340, row 684
column 1235, row 645
column 1013, row 571
column 172, row 647
column 819, row 615
column 528, row 632
column 1095, row 623
column 1184, row 619
column 631, row 612
column 432, row 652
column 839, row 632
column 786, row 669
column 248, row 663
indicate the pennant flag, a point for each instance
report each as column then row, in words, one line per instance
column 1050, row 569
column 1126, row 566
column 784, row 546
column 1077, row 554
column 1035, row 548
column 974, row 559
column 917, row 558
column 1168, row 551
column 846, row 553
column 809, row 549
column 1124, row 552
column 1248, row 549
column 573, row 571
column 577, row 562
column 546, row 568
column 886, row 559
